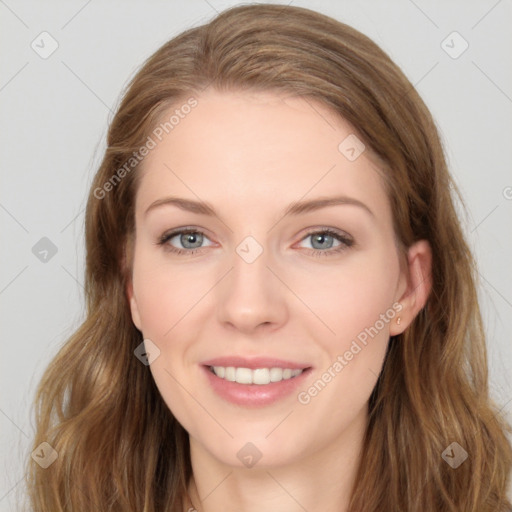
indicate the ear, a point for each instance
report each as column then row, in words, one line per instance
column 418, row 283
column 127, row 266
column 133, row 305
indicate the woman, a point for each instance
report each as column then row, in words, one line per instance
column 282, row 312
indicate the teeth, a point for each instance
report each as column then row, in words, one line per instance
column 259, row 376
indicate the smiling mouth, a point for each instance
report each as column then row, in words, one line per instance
column 258, row 376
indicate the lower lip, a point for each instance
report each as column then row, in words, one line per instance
column 254, row 395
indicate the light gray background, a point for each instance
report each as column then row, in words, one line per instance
column 55, row 112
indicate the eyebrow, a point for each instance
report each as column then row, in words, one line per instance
column 297, row 208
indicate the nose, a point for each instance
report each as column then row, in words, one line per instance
column 251, row 297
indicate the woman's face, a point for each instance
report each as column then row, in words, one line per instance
column 254, row 287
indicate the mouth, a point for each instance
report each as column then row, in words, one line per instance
column 254, row 382
column 258, row 376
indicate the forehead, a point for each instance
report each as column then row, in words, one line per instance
column 252, row 148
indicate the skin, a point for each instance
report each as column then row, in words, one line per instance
column 250, row 155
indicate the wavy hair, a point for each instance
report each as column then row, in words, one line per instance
column 119, row 446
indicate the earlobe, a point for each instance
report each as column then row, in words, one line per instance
column 419, row 283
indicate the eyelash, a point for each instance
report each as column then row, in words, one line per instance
column 346, row 242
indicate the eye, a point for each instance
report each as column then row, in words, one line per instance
column 189, row 238
column 323, row 240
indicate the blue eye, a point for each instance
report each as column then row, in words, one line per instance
column 191, row 240
column 325, row 237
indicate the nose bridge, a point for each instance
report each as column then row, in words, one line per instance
column 250, row 266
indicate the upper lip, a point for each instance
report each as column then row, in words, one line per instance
column 254, row 363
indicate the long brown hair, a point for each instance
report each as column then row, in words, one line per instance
column 120, row 448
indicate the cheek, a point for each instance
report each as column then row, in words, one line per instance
column 353, row 295
column 357, row 304
column 364, row 317
column 159, row 294
column 153, row 306
column 165, row 293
